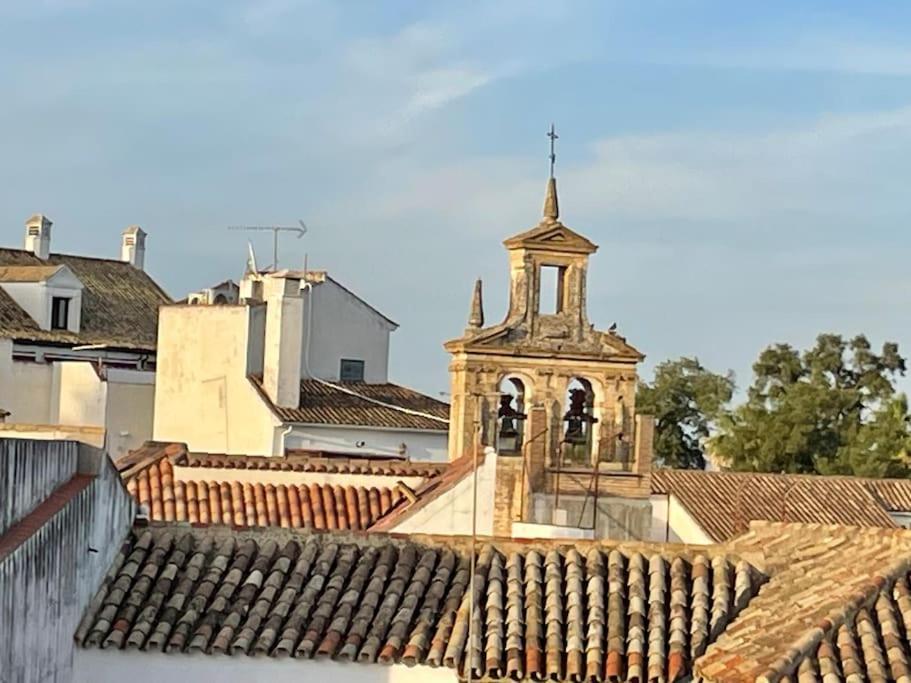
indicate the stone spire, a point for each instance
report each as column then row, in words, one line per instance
column 476, row 318
column 551, row 207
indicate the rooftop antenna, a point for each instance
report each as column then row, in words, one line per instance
column 300, row 230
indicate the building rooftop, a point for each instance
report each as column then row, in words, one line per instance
column 782, row 602
column 119, row 303
column 365, row 405
column 723, row 503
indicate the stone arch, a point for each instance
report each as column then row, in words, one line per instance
column 514, row 401
column 581, row 419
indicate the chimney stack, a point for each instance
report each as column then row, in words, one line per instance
column 133, row 246
column 38, row 235
column 283, row 339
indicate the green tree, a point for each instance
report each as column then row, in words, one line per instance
column 831, row 410
column 685, row 398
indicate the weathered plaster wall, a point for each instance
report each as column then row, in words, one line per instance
column 136, row 666
column 617, row 518
column 6, row 374
column 130, row 410
column 31, row 389
column 202, row 395
column 81, row 396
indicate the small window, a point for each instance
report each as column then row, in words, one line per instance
column 351, row 370
column 60, row 313
column 551, row 290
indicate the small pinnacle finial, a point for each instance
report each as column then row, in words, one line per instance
column 551, row 206
column 476, row 317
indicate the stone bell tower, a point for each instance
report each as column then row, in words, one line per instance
column 544, row 385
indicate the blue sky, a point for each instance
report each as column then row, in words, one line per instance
column 744, row 167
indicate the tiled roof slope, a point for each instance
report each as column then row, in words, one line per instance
column 246, row 504
column 374, row 406
column 724, row 503
column 594, row 614
column 119, row 303
column 837, row 608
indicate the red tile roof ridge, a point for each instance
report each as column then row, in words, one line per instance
column 56, row 500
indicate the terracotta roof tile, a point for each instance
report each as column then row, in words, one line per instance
column 316, row 506
column 540, row 614
column 724, row 503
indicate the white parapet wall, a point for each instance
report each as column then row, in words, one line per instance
column 136, row 666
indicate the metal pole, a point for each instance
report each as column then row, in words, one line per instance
column 275, row 249
column 473, row 555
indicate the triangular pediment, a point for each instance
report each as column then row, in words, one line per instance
column 552, row 235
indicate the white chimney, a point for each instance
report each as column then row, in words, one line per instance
column 283, row 340
column 133, row 246
column 38, row 235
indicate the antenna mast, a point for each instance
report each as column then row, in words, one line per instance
column 300, row 230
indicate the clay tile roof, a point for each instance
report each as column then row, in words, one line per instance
column 375, row 405
column 836, row 607
column 545, row 612
column 252, row 504
column 119, row 303
column 723, row 503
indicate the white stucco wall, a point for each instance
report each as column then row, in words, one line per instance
column 526, row 530
column 6, row 374
column 31, row 391
column 81, row 396
column 345, row 327
column 35, row 298
column 671, row 523
column 418, row 445
column 451, row 512
column 123, row 403
column 130, row 409
column 202, row 394
column 136, row 666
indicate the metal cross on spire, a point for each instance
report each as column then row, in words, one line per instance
column 552, row 134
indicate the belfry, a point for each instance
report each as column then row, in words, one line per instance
column 544, row 385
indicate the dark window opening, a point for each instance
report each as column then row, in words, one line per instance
column 60, row 313
column 550, row 293
column 351, row 370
